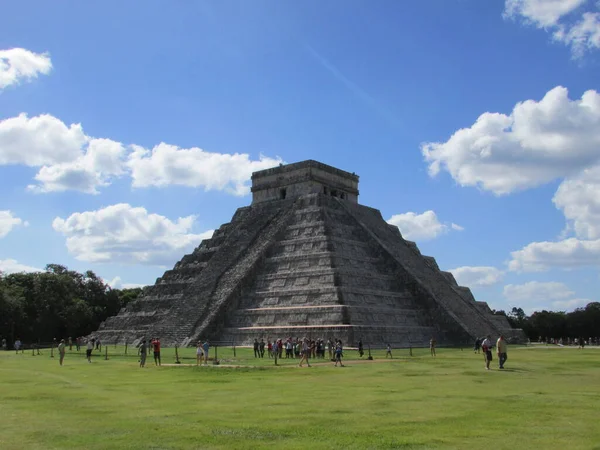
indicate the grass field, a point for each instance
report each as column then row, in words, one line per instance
column 547, row 398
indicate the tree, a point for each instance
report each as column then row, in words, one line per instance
column 56, row 303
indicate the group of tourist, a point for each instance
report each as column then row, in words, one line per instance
column 143, row 351
column 580, row 342
column 303, row 349
column 202, row 350
column 486, row 344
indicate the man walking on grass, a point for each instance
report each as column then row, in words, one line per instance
column 275, row 351
column 143, row 353
column 61, row 351
column 156, row 349
column 89, row 348
column 486, row 347
column 501, row 348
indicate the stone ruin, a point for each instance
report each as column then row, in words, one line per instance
column 305, row 259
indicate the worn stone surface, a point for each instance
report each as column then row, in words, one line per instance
column 306, row 261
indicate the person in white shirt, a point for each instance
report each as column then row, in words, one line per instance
column 486, row 346
column 89, row 348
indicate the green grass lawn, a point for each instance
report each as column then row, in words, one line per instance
column 546, row 398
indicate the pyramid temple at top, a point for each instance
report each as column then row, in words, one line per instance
column 305, row 259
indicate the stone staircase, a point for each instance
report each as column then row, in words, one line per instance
column 323, row 280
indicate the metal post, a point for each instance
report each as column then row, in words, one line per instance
column 52, row 350
column 215, row 361
column 234, row 355
column 177, row 356
column 410, row 350
column 125, row 348
column 370, row 358
column 106, row 353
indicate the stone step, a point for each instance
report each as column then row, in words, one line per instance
column 317, row 308
column 402, row 328
column 328, row 289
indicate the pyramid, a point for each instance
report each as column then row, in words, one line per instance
column 305, row 259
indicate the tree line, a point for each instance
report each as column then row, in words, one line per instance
column 56, row 303
column 581, row 323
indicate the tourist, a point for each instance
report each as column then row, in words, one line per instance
column 432, row 343
column 143, row 353
column 98, row 344
column 199, row 353
column 501, row 347
column 70, row 343
column 477, row 345
column 61, row 351
column 339, row 352
column 330, row 348
column 275, row 351
column 289, row 349
column 78, row 343
column 89, row 349
column 270, row 348
column 156, row 350
column 205, row 348
column 256, row 351
column 261, row 348
column 360, row 348
column 305, row 350
column 486, row 347
column 388, row 351
column 18, row 345
column 4, row 347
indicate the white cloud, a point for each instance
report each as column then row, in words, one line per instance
column 568, row 253
column 67, row 157
column 456, row 227
column 542, row 13
column 117, row 283
column 167, row 165
column 12, row 266
column 570, row 305
column 579, row 199
column 569, row 23
column 38, row 141
column 536, row 291
column 537, row 143
column 101, row 162
column 420, row 227
column 19, row 64
column 582, row 36
column 71, row 160
column 8, row 221
column 550, row 295
column 477, row 276
column 128, row 235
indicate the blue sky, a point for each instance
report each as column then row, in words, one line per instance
column 129, row 131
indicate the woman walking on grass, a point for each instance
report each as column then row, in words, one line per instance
column 305, row 350
column 338, row 353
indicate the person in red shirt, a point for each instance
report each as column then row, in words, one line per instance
column 156, row 348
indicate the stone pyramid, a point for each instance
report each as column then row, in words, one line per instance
column 306, row 260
